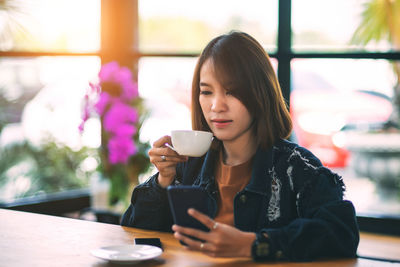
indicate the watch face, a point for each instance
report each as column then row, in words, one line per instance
column 262, row 249
column 279, row 255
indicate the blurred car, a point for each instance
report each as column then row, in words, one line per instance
column 319, row 111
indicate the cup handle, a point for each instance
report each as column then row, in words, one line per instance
column 168, row 145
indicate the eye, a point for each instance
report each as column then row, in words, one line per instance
column 205, row 92
column 230, row 92
column 229, row 89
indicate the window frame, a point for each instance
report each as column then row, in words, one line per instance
column 124, row 30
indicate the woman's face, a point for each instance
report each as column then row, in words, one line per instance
column 227, row 117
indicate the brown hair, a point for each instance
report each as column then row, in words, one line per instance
column 244, row 67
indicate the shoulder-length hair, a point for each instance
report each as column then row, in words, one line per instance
column 242, row 65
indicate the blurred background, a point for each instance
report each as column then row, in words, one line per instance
column 337, row 62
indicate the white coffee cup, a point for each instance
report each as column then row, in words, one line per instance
column 191, row 143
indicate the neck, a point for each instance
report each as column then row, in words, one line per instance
column 239, row 151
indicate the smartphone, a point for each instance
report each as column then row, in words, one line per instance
column 183, row 197
column 149, row 241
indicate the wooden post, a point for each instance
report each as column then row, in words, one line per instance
column 119, row 32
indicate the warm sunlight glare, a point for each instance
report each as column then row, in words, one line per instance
column 71, row 25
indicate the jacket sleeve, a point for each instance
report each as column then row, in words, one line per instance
column 326, row 225
column 149, row 208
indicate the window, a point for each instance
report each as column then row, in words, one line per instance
column 162, row 23
column 340, row 92
column 50, row 26
column 329, row 95
column 329, row 26
column 170, row 56
column 333, row 84
column 46, row 61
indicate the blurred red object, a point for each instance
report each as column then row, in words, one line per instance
column 319, row 111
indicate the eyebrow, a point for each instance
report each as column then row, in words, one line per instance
column 204, row 84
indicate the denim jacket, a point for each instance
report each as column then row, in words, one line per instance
column 291, row 197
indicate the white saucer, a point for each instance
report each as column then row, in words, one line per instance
column 127, row 253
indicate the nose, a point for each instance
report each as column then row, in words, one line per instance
column 218, row 103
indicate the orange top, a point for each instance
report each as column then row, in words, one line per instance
column 230, row 181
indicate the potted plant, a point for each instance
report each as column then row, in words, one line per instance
column 123, row 157
column 376, row 151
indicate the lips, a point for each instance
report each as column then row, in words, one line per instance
column 220, row 123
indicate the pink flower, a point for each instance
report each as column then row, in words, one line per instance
column 113, row 73
column 120, row 149
column 102, row 103
column 81, row 126
column 119, row 118
column 122, row 75
column 107, row 71
column 85, row 114
column 125, row 130
column 129, row 87
column 118, row 114
column 95, row 88
column 129, row 90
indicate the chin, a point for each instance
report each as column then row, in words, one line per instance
column 222, row 137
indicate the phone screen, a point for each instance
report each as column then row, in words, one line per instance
column 183, row 197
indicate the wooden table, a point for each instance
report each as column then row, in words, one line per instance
column 28, row 239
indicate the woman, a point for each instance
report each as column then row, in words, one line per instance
column 272, row 198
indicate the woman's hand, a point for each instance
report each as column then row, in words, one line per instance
column 165, row 160
column 222, row 240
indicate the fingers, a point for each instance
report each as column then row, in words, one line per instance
column 185, row 231
column 202, row 245
column 204, row 219
column 165, row 160
column 190, row 243
column 207, row 242
column 160, row 142
column 221, row 241
column 160, row 153
column 162, row 156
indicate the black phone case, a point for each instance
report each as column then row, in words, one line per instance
column 149, row 241
column 183, row 197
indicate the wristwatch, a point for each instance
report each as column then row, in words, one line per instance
column 263, row 250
